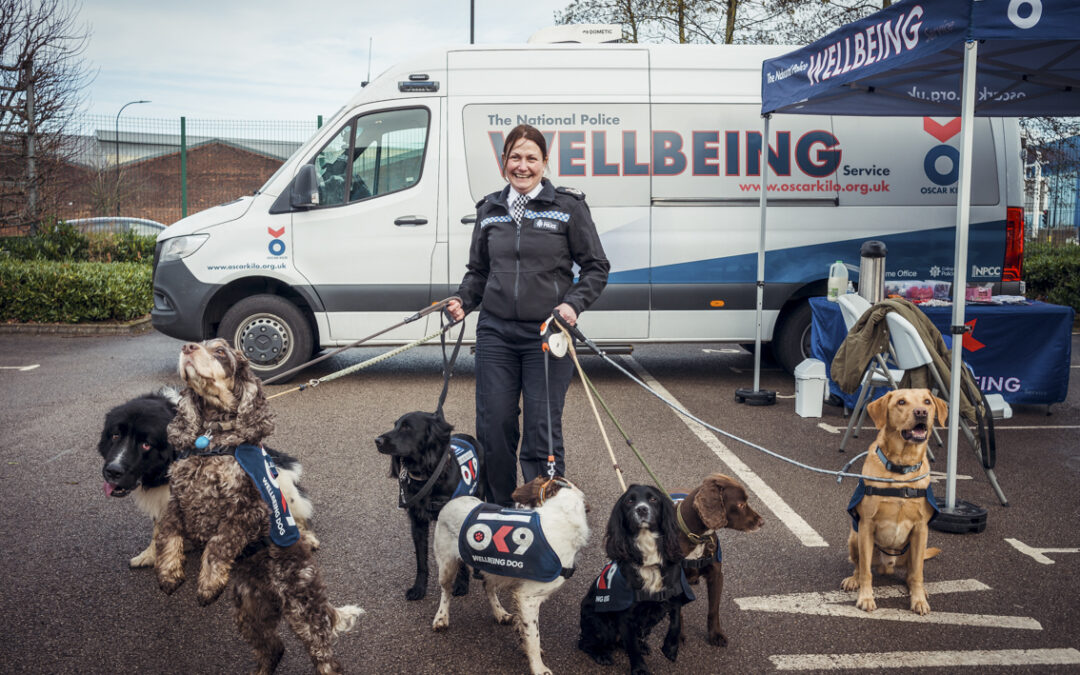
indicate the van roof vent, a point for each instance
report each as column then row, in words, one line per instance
column 592, row 33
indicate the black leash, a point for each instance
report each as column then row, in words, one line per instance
column 448, row 364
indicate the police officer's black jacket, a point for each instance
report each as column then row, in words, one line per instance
column 521, row 272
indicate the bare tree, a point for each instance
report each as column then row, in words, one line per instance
column 682, row 21
column 42, row 76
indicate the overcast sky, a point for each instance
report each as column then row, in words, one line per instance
column 272, row 59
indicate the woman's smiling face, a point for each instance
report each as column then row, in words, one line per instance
column 524, row 165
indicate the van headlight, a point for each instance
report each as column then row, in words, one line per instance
column 181, row 247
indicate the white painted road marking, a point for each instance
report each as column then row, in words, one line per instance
column 940, row 659
column 829, row 604
column 22, row 369
column 1038, row 553
column 793, row 521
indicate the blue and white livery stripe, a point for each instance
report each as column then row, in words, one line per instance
column 496, row 219
column 552, row 215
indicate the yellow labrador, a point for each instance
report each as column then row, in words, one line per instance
column 890, row 521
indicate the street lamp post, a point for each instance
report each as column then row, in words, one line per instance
column 116, row 139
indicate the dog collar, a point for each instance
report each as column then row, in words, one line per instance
column 896, row 468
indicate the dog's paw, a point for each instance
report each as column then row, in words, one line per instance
column 170, row 584
column 866, row 603
column 920, row 605
column 644, row 648
column 441, row 622
column 850, row 583
column 602, row 659
column 503, row 618
column 416, row 593
column 640, row 670
column 144, row 559
column 207, row 594
column 670, row 649
column 312, row 541
column 717, row 639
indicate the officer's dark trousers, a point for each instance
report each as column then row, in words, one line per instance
column 509, row 365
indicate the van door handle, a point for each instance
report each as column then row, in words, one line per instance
column 410, row 221
column 469, row 219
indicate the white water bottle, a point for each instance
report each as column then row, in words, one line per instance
column 837, row 280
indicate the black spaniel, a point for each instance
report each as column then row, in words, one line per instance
column 643, row 582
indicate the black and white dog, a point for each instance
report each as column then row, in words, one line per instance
column 642, row 583
column 432, row 466
column 135, row 447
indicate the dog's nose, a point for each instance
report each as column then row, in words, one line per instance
column 189, row 347
column 112, row 472
column 642, row 510
column 920, row 413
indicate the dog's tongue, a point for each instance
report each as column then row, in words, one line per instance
column 108, row 489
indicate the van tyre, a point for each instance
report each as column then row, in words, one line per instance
column 791, row 339
column 272, row 333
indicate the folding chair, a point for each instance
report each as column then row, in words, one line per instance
column 911, row 352
column 878, row 373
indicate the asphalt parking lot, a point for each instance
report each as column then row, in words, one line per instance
column 1003, row 600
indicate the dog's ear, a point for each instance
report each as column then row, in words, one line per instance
column 529, row 494
column 395, row 467
column 941, row 410
column 669, row 529
column 253, row 413
column 879, row 410
column 437, row 432
column 618, row 544
column 186, row 425
column 708, row 501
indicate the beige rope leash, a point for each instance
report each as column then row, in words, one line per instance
column 359, row 366
column 588, row 394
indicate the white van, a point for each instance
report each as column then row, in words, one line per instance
column 371, row 219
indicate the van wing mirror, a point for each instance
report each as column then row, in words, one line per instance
column 304, row 192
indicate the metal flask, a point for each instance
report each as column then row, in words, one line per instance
column 872, row 271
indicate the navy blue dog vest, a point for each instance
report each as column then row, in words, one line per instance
column 260, row 467
column 862, row 490
column 465, row 454
column 612, row 592
column 509, row 543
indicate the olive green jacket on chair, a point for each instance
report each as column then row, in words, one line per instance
column 870, row 336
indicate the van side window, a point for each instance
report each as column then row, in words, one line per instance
column 331, row 168
column 389, row 152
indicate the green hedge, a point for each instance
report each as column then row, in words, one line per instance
column 1052, row 273
column 74, row 292
column 60, row 241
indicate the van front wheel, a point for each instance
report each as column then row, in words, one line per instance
column 270, row 331
column 791, row 338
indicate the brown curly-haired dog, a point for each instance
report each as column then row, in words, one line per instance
column 214, row 503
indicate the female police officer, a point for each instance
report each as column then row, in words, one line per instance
column 526, row 239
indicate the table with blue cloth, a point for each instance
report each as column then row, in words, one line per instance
column 1021, row 351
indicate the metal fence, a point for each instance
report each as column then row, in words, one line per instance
column 165, row 169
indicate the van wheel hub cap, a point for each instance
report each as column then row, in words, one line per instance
column 264, row 341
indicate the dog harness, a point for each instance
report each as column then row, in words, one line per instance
column 612, row 592
column 260, row 468
column 864, row 490
column 468, row 463
column 710, row 542
column 509, row 543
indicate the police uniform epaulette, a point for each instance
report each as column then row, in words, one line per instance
column 482, row 201
column 573, row 192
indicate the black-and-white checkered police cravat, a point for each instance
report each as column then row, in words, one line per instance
column 518, row 209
